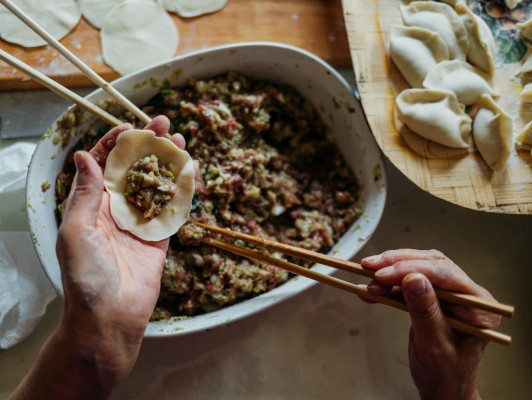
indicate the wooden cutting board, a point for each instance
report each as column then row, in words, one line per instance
column 314, row 25
column 466, row 180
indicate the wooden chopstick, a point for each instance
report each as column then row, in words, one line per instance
column 94, row 77
column 349, row 266
column 57, row 88
column 260, row 256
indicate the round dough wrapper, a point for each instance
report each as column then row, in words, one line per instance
column 130, row 146
column 136, row 34
column 95, row 11
column 57, row 17
column 193, row 8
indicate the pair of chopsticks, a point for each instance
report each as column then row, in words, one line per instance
column 59, row 89
column 254, row 254
column 261, row 256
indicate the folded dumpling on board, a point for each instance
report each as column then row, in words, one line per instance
column 526, row 93
column 435, row 115
column 525, row 136
column 492, row 133
column 511, row 4
column 482, row 48
column 525, row 71
column 441, row 18
column 465, row 81
column 415, row 51
column 526, row 29
column 424, row 147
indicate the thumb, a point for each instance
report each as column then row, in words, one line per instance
column 86, row 196
column 429, row 325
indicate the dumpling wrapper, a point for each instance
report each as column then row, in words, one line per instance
column 482, row 48
column 415, row 51
column 441, row 18
column 131, row 146
column 136, row 34
column 465, row 81
column 493, row 133
column 435, row 115
column 95, row 11
column 526, row 29
column 57, row 17
column 193, row 8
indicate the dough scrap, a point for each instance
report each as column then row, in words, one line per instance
column 193, row 8
column 130, row 146
column 493, row 133
column 136, row 34
column 57, row 17
column 95, row 11
column 435, row 115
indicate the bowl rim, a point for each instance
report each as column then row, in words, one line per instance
column 270, row 298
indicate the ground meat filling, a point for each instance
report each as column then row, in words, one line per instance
column 267, row 168
column 150, row 186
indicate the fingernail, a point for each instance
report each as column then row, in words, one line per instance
column 79, row 161
column 384, row 272
column 415, row 285
column 371, row 258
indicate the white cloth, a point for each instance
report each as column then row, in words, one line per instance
column 14, row 161
column 25, row 290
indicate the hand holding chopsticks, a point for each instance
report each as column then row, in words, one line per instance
column 261, row 256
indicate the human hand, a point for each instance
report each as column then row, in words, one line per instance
column 444, row 363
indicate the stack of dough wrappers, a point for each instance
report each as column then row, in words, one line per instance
column 134, row 33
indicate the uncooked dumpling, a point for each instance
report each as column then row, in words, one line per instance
column 441, row 18
column 95, row 11
column 435, row 115
column 493, row 133
column 481, row 42
column 465, row 81
column 137, row 34
column 525, row 71
column 57, row 17
column 525, row 137
column 526, row 29
column 415, row 51
column 130, row 147
column 526, row 93
column 193, row 8
column 511, row 4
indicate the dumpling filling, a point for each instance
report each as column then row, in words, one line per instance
column 150, row 186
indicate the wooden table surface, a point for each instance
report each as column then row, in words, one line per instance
column 314, row 25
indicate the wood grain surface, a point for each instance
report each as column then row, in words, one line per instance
column 314, row 25
column 463, row 180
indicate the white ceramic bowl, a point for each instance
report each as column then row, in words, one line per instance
column 312, row 77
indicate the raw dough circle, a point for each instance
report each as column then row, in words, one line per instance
column 130, row 146
column 136, row 34
column 95, row 11
column 189, row 9
column 57, row 17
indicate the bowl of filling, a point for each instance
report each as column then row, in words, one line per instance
column 285, row 153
